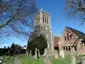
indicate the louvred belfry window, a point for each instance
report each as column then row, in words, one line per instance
column 47, row 20
column 43, row 18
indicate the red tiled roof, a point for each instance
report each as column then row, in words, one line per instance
column 56, row 40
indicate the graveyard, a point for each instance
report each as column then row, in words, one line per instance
column 42, row 32
column 24, row 59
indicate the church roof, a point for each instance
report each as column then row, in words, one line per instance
column 56, row 40
column 77, row 32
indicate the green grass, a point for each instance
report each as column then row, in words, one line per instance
column 66, row 60
column 31, row 60
column 56, row 61
column 8, row 60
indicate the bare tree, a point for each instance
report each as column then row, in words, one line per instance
column 16, row 17
column 76, row 9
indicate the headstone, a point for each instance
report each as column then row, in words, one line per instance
column 30, row 52
column 35, row 53
column 38, row 52
column 62, row 54
column 45, row 52
column 56, row 54
column 73, row 59
column 83, row 60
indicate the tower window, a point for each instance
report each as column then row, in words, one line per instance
column 47, row 20
column 43, row 18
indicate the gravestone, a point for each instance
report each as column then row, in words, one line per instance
column 56, row 54
column 83, row 60
column 45, row 52
column 73, row 59
column 30, row 52
column 62, row 54
column 38, row 53
column 35, row 53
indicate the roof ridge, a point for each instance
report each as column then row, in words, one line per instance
column 77, row 32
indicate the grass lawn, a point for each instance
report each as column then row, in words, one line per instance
column 66, row 60
column 8, row 60
column 31, row 60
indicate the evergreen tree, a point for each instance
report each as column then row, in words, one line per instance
column 39, row 43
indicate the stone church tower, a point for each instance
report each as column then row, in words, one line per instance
column 42, row 25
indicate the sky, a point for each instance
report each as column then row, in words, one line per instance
column 59, row 19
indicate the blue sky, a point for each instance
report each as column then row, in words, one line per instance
column 59, row 19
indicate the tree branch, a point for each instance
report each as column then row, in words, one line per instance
column 7, row 22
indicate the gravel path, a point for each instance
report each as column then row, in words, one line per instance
column 47, row 61
column 17, row 60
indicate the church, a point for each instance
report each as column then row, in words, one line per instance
column 72, row 38
column 42, row 25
